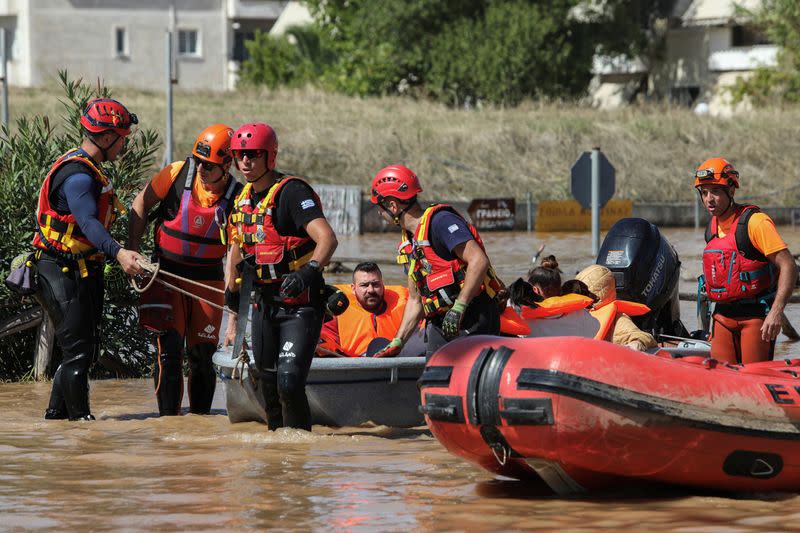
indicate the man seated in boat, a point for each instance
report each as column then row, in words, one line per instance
column 373, row 316
column 613, row 315
column 748, row 271
column 545, row 310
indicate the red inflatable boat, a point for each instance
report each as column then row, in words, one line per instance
column 584, row 414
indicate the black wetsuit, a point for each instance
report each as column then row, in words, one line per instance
column 285, row 337
column 74, row 303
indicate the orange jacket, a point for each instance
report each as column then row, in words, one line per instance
column 351, row 332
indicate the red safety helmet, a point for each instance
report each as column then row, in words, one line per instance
column 395, row 181
column 716, row 171
column 105, row 114
column 257, row 136
column 214, row 144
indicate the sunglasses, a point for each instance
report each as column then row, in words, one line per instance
column 206, row 165
column 249, row 154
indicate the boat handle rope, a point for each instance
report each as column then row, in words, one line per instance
column 502, row 448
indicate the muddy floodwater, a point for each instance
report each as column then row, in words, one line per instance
column 133, row 471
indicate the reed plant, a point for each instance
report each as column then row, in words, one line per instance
column 467, row 153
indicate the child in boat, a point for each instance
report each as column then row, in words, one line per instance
column 616, row 325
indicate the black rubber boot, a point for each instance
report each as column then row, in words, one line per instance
column 168, row 374
column 202, row 378
column 72, row 383
column 296, row 412
column 272, row 403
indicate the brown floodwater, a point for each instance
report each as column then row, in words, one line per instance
column 131, row 470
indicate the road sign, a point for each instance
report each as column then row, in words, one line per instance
column 582, row 180
column 493, row 213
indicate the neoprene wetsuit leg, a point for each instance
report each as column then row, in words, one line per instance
column 202, row 378
column 168, row 373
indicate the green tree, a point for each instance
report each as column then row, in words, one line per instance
column 294, row 59
column 780, row 21
column 26, row 153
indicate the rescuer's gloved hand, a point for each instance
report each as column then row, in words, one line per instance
column 296, row 282
column 336, row 301
column 391, row 349
column 452, row 320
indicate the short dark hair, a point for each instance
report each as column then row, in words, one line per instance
column 368, row 267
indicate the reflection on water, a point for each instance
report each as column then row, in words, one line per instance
column 131, row 470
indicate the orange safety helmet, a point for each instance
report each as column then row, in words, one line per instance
column 214, row 144
column 716, row 171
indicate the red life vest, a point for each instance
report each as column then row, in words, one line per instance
column 438, row 280
column 189, row 233
column 59, row 233
column 733, row 269
column 275, row 255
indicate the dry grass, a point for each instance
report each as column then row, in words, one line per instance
column 460, row 154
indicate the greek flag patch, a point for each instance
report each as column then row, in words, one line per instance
column 307, row 204
column 452, row 228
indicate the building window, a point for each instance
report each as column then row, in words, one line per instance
column 189, row 43
column 121, row 42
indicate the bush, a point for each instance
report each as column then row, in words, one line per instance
column 26, row 154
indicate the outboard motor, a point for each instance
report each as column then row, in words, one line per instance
column 646, row 269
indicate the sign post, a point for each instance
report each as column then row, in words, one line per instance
column 493, row 213
column 593, row 183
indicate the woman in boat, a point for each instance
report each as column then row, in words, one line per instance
column 612, row 314
column 547, row 311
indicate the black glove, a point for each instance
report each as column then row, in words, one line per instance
column 452, row 320
column 232, row 300
column 296, row 282
column 336, row 301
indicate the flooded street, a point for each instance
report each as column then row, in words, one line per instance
column 131, row 470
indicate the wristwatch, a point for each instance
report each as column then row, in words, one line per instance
column 315, row 265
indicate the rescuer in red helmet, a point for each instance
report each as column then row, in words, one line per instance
column 283, row 242
column 194, row 199
column 748, row 271
column 76, row 208
column 451, row 282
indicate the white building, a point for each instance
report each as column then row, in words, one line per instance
column 707, row 47
column 123, row 41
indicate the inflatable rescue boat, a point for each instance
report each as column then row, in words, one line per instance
column 584, row 415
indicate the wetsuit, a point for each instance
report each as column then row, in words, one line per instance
column 286, row 335
column 482, row 317
column 73, row 301
column 188, row 243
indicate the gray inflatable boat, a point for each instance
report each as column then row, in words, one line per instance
column 342, row 391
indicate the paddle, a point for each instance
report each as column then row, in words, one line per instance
column 536, row 255
column 376, row 345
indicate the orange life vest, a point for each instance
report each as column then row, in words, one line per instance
column 59, row 233
column 275, row 255
column 358, row 327
column 607, row 315
column 188, row 232
column 438, row 280
column 557, row 305
column 513, row 324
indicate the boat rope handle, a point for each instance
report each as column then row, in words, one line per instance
column 504, row 449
